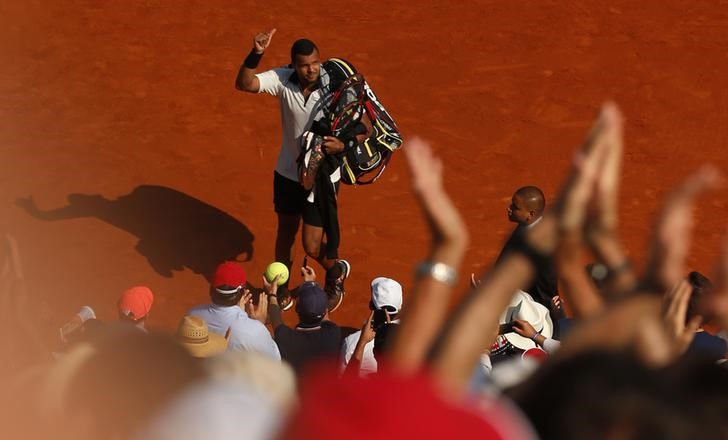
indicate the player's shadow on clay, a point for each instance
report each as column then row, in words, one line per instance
column 174, row 229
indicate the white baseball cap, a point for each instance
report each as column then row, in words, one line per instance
column 386, row 292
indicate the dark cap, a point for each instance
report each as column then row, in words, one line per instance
column 311, row 304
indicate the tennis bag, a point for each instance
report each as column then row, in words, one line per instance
column 346, row 98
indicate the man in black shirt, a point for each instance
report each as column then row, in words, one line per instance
column 315, row 338
column 526, row 209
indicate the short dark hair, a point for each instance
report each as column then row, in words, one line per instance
column 701, row 284
column 304, row 46
column 226, row 300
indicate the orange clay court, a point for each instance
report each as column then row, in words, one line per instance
column 128, row 157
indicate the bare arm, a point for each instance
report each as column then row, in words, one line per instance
column 367, row 335
column 670, row 244
column 246, row 79
column 477, row 316
column 274, row 310
column 428, row 300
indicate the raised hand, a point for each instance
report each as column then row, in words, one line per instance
column 588, row 162
column 426, row 169
column 332, row 145
column 367, row 330
column 524, row 328
column 671, row 240
column 262, row 40
column 272, row 287
column 245, row 299
column 429, row 297
column 308, row 273
column 258, row 311
column 675, row 308
column 596, row 162
column 603, row 212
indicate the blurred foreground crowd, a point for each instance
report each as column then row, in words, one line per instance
column 631, row 360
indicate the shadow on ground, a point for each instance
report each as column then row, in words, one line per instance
column 174, row 230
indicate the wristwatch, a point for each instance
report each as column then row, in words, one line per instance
column 438, row 271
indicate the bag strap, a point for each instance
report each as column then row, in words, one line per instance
column 382, row 166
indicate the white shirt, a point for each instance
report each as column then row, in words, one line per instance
column 246, row 334
column 368, row 362
column 297, row 114
column 551, row 346
column 534, row 223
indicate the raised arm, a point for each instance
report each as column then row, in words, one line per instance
column 670, row 243
column 428, row 300
column 636, row 322
column 467, row 333
column 574, row 215
column 274, row 309
column 246, row 80
column 601, row 231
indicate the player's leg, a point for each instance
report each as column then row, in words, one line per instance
column 288, row 199
column 314, row 243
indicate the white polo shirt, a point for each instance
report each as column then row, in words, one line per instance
column 297, row 114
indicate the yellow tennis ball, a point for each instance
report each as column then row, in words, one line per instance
column 274, row 269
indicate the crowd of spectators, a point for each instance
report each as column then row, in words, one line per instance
column 636, row 356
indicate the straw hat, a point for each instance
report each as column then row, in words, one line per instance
column 522, row 306
column 194, row 335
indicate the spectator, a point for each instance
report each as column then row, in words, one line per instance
column 134, row 306
column 111, row 387
column 194, row 335
column 703, row 343
column 231, row 310
column 522, row 307
column 383, row 340
column 526, row 210
column 386, row 297
column 274, row 380
column 214, row 410
column 526, row 330
column 314, row 338
column 380, row 336
column 402, row 398
column 70, row 330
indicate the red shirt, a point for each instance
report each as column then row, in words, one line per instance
column 387, row 405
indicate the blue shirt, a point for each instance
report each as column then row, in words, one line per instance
column 706, row 344
column 246, row 334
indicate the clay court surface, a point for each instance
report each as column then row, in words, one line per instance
column 129, row 158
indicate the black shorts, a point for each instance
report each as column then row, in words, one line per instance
column 312, row 211
column 289, row 198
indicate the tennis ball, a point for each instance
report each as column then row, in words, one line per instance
column 274, row 269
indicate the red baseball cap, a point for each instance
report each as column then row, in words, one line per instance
column 536, row 354
column 136, row 302
column 229, row 274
